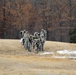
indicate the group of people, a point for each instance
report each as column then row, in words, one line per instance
column 35, row 41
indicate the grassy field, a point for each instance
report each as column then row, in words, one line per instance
column 15, row 60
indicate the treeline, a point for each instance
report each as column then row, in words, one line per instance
column 58, row 17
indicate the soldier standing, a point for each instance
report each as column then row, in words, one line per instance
column 36, row 42
column 26, row 39
column 42, row 40
column 30, row 43
column 22, row 36
column 43, row 36
column 34, row 37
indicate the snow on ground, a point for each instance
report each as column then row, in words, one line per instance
column 68, row 52
column 71, row 54
column 70, row 57
column 46, row 53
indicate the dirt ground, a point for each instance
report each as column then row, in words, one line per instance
column 15, row 60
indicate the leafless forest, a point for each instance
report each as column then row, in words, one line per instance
column 58, row 17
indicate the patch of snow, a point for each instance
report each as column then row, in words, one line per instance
column 70, row 57
column 69, row 52
column 58, row 57
column 46, row 53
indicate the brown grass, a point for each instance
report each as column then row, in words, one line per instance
column 14, row 46
column 15, row 60
column 54, row 46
